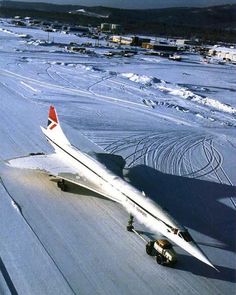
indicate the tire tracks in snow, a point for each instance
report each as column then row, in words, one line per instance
column 184, row 154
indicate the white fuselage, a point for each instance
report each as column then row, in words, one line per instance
column 119, row 190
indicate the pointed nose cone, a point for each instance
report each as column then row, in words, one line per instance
column 194, row 250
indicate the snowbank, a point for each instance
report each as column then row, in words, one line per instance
column 181, row 92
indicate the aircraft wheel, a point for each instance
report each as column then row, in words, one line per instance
column 64, row 187
column 61, row 184
column 129, row 227
column 149, row 248
column 160, row 259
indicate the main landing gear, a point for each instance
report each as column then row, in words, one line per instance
column 130, row 226
column 62, row 185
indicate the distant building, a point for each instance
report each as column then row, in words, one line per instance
column 160, row 46
column 181, row 42
column 133, row 41
column 224, row 53
column 147, row 45
column 115, row 28
column 122, row 40
column 107, row 27
column 138, row 41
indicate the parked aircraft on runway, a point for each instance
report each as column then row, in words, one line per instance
column 72, row 165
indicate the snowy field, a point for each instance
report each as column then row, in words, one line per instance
column 173, row 122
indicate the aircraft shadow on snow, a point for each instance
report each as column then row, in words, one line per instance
column 188, row 263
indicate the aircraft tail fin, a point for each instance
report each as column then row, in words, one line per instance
column 54, row 131
column 52, row 118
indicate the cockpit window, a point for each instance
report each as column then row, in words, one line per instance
column 186, row 236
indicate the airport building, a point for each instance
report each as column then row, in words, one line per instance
column 122, row 40
column 138, row 41
column 116, row 28
column 107, row 27
column 125, row 40
column 160, row 46
column 224, row 53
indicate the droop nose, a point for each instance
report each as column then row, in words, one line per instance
column 195, row 250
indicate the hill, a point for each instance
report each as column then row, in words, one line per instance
column 214, row 23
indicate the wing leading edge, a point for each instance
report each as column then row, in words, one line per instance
column 53, row 165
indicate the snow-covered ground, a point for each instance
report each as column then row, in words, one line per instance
column 174, row 124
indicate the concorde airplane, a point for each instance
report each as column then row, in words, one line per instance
column 70, row 164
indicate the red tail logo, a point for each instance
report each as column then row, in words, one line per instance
column 52, row 118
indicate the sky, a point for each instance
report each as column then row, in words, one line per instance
column 140, row 4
